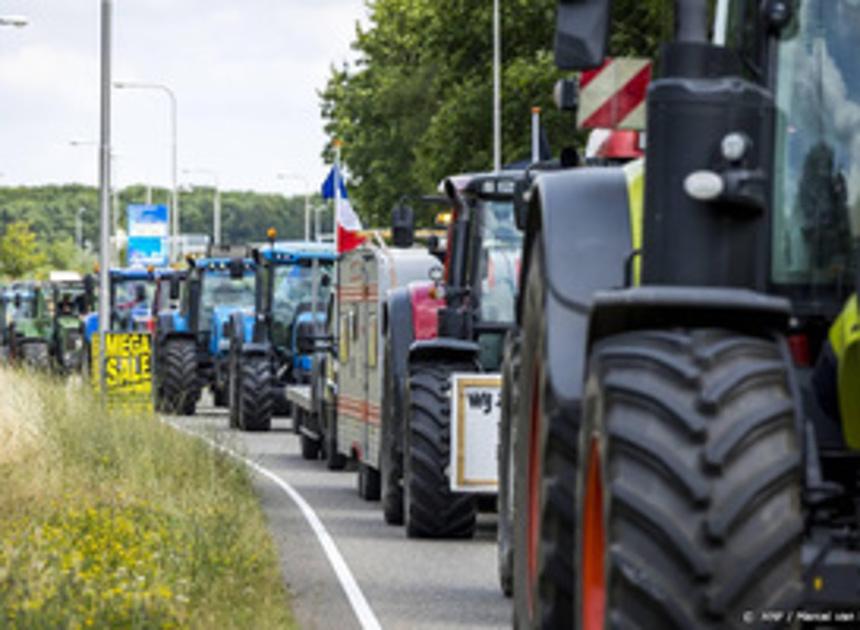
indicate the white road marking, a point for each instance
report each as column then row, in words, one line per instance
column 360, row 605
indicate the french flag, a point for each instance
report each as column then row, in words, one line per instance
column 348, row 224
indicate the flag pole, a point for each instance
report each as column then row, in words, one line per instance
column 337, row 157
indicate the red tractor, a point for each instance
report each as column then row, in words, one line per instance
column 434, row 331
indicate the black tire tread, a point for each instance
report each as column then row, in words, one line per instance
column 256, row 402
column 433, row 511
column 736, row 440
column 179, row 387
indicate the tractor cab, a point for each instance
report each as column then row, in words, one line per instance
column 30, row 325
column 71, row 300
column 294, row 288
column 482, row 262
column 192, row 340
column 131, row 291
column 275, row 347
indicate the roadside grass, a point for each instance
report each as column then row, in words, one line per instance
column 109, row 520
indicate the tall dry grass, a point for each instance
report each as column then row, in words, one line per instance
column 114, row 520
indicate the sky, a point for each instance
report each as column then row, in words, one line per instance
column 245, row 73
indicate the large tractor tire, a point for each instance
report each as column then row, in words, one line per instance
column 256, row 400
column 690, row 492
column 431, row 510
column 544, row 443
column 391, row 447
column 178, row 388
column 505, row 458
column 36, row 355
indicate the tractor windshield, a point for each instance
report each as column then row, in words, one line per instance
column 499, row 262
column 817, row 194
column 294, row 286
column 132, row 298
column 220, row 289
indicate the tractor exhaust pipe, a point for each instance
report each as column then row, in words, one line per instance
column 691, row 21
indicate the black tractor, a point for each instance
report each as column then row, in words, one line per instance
column 674, row 465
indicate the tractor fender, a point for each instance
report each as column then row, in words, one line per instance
column 443, row 348
column 639, row 308
column 399, row 328
column 587, row 221
column 425, row 309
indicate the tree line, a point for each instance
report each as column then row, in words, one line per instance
column 38, row 224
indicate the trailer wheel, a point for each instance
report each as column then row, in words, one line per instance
column 690, row 492
column 368, row 482
column 545, row 442
column 178, row 386
column 334, row 459
column 510, row 398
column 431, row 510
column 254, row 393
column 311, row 447
column 36, row 354
column 391, row 450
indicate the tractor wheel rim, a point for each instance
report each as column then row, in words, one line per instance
column 534, row 487
column 593, row 546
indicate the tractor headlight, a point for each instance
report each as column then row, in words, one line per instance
column 735, row 146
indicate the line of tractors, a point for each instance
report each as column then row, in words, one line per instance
column 661, row 451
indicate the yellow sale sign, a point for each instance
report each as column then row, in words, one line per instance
column 128, row 370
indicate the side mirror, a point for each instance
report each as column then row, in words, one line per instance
column 521, row 203
column 174, row 287
column 237, row 268
column 325, row 281
column 17, row 300
column 403, row 226
column 581, row 33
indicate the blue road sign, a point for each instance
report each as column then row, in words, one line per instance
column 147, row 234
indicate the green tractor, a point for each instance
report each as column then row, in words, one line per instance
column 71, row 299
column 31, row 326
column 674, row 464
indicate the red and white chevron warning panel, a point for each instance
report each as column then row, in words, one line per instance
column 613, row 96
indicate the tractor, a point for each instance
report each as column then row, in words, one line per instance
column 274, row 348
column 30, row 328
column 674, row 466
column 191, row 341
column 72, row 298
column 454, row 324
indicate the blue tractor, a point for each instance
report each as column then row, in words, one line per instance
column 191, row 346
column 275, row 348
column 131, row 291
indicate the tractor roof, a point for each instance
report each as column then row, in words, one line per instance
column 501, row 183
column 217, row 264
column 64, row 276
column 287, row 253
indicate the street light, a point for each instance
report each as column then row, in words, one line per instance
column 304, row 182
column 216, row 204
column 16, row 21
column 174, row 214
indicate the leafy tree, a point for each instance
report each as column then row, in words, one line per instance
column 20, row 253
column 417, row 105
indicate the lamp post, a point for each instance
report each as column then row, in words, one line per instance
column 304, row 182
column 16, row 21
column 104, row 180
column 497, row 87
column 216, row 202
column 174, row 211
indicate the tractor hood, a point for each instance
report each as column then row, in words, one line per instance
column 219, row 342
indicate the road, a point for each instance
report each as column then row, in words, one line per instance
column 407, row 583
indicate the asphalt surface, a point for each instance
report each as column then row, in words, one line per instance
column 407, row 583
